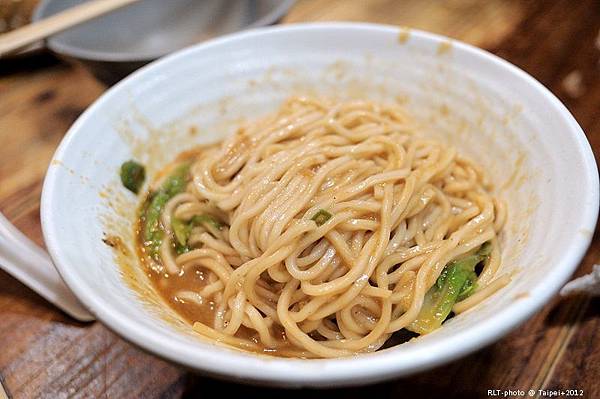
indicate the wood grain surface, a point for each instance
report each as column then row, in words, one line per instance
column 45, row 354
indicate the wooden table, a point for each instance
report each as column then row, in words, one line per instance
column 43, row 353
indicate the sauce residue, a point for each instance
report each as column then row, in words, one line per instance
column 444, row 48
column 117, row 243
column 403, row 35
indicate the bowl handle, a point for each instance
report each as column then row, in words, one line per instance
column 31, row 265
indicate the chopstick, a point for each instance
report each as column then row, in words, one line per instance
column 3, row 394
column 19, row 38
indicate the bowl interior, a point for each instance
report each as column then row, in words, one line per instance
column 529, row 145
column 152, row 28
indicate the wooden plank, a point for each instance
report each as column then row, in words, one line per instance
column 36, row 109
column 482, row 23
column 578, row 367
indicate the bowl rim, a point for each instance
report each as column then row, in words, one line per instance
column 341, row 371
column 60, row 47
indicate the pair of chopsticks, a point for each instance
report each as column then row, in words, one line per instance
column 19, row 38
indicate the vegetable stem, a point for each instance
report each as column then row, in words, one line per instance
column 152, row 230
column 182, row 230
column 456, row 282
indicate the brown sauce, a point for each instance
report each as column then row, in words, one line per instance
column 193, row 280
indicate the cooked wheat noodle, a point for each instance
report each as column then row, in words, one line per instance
column 402, row 206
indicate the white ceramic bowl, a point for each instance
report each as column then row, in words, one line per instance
column 495, row 113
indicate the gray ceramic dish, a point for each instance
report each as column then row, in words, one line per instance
column 116, row 44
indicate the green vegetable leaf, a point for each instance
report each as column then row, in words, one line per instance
column 469, row 286
column 456, row 282
column 153, row 231
column 200, row 219
column 175, row 183
column 485, row 249
column 181, row 249
column 133, row 175
column 181, row 229
column 321, row 217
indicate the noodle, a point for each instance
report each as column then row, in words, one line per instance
column 319, row 231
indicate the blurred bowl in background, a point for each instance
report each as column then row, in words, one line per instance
column 116, row 44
